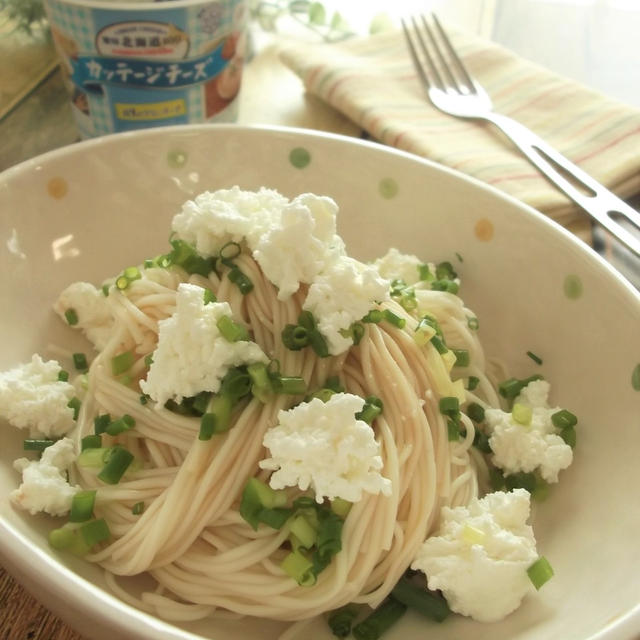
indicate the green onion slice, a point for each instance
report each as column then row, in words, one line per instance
column 122, row 362
column 36, row 444
column 82, row 506
column 118, row 462
column 540, row 572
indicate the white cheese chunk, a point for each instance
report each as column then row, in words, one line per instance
column 32, row 397
column 301, row 244
column 44, row 485
column 395, row 265
column 192, row 356
column 322, row 446
column 92, row 309
column 341, row 295
column 536, row 446
column 480, row 555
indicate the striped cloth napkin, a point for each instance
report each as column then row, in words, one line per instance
column 373, row 82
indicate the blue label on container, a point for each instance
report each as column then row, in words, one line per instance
column 150, row 65
column 146, row 74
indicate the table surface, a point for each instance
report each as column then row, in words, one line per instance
column 35, row 117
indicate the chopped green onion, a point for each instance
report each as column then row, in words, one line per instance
column 324, row 394
column 275, row 518
column 300, row 568
column 496, row 479
column 450, row 286
column 63, row 376
column 94, row 532
column 534, row 357
column 236, row 384
column 473, row 323
column 144, row 398
column 119, row 461
column 209, row 296
column 394, row 319
column 475, row 411
column 137, row 508
column 512, row 387
column 341, row 620
column 132, row 273
column 148, row 360
column 71, row 316
column 261, row 386
column 371, row 410
column 61, row 538
column 425, row 273
column 306, row 320
column 257, row 496
column 481, row 442
column 420, row 599
column 453, row 430
column 462, row 357
column 333, row 383
column 439, row 344
column 121, row 425
column 472, row 382
column 217, row 418
column 36, row 444
column 82, row 506
column 295, row 337
column 231, row 331
column 240, row 279
column 122, row 282
column 304, row 532
column 185, row 255
column 449, row 406
column 521, row 480
column 290, row 385
column 80, row 361
column 522, row 414
column 569, row 436
column 74, row 404
column 122, row 362
column 105, row 290
column 374, row 316
column 318, row 344
column 329, row 535
column 357, row 333
column 341, row 507
column 91, row 442
column 445, row 271
column 563, row 419
column 380, row 620
column 93, row 457
column 540, row 572
column 101, row 422
column 229, row 251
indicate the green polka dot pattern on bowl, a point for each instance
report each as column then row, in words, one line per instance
column 572, row 287
column 388, row 188
column 299, row 157
column 635, row 378
column 177, row 159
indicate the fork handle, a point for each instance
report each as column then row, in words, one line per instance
column 599, row 202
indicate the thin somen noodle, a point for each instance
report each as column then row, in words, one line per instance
column 191, row 538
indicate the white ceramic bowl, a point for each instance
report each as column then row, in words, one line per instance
column 86, row 211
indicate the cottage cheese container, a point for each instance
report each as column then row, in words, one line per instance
column 137, row 64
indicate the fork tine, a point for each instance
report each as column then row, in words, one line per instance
column 471, row 85
column 436, row 47
column 414, row 54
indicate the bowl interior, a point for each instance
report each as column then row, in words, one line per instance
column 85, row 212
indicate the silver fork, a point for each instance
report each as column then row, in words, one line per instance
column 452, row 90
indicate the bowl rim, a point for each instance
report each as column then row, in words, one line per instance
column 106, row 606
